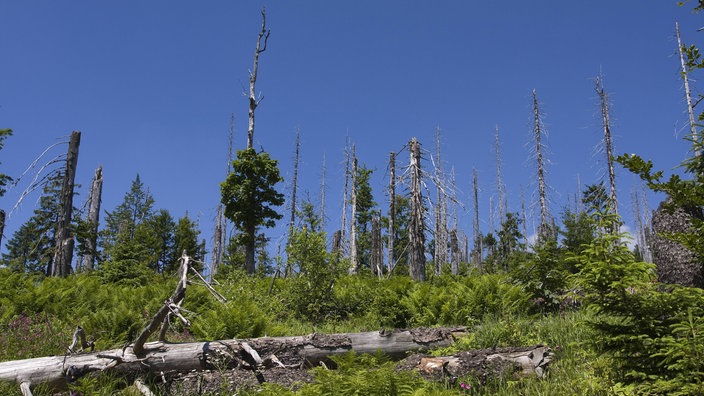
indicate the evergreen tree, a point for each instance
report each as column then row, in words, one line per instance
column 249, row 196
column 31, row 247
column 186, row 239
column 365, row 210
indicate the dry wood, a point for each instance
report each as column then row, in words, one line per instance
column 416, row 225
column 687, row 91
column 93, row 217
column 262, row 39
column 63, row 253
column 353, row 218
column 477, row 251
column 608, row 147
column 542, row 189
column 392, row 208
column 159, row 358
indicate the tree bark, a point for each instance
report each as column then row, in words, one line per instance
column 63, row 253
column 416, row 224
column 353, row 218
column 96, row 191
column 160, row 357
column 392, row 208
column 262, row 39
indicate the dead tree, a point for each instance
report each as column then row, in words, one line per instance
column 687, row 92
column 440, row 256
column 455, row 250
column 93, row 217
column 262, row 39
column 63, row 240
column 499, row 185
column 377, row 263
column 416, row 224
column 392, row 208
column 542, row 189
column 292, row 221
column 353, row 219
column 2, row 225
column 220, row 232
column 477, row 252
column 343, row 223
column 608, row 147
column 322, row 195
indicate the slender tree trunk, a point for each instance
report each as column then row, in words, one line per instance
column 2, row 225
column 262, row 39
column 606, row 119
column 542, row 189
column 499, row 184
column 292, row 223
column 416, row 224
column 376, row 257
column 392, row 208
column 343, row 227
column 322, row 196
column 477, row 234
column 455, row 249
column 336, row 242
column 687, row 92
column 353, row 220
column 250, row 247
column 440, row 212
column 96, row 191
column 63, row 253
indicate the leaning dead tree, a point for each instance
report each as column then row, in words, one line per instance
column 416, row 223
column 63, row 238
column 92, row 219
column 608, row 146
column 687, row 92
column 254, row 101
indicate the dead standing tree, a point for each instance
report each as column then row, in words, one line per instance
column 392, row 208
column 353, row 218
column 687, row 91
column 92, row 219
column 477, row 251
column 608, row 147
column 254, row 101
column 440, row 254
column 63, row 239
column 544, row 228
column 416, row 223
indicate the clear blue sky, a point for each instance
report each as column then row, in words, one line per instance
column 151, row 86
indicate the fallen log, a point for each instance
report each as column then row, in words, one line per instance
column 160, row 358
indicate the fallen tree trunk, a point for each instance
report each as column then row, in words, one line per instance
column 160, row 358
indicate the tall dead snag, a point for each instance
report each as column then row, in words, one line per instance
column 322, row 196
column 63, row 240
column 220, row 232
column 294, row 188
column 262, row 39
column 2, row 225
column 455, row 250
column 440, row 254
column 499, row 184
column 96, row 191
column 377, row 263
column 477, row 251
column 353, row 220
column 343, row 223
column 606, row 120
column 687, row 91
column 416, row 224
column 542, row 189
column 392, row 208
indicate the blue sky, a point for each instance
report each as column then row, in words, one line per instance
column 151, row 86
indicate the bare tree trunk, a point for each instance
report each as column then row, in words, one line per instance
column 440, row 254
column 292, row 223
column 96, row 191
column 220, row 232
column 322, row 196
column 524, row 218
column 687, row 92
column 63, row 253
column 477, row 253
column 416, row 224
column 455, row 249
column 377, row 262
column 392, row 207
column 606, row 119
column 262, row 39
column 343, row 226
column 336, row 242
column 499, row 184
column 542, row 190
column 353, row 221
column 157, row 358
column 2, row 225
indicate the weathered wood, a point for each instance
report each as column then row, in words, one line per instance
column 161, row 357
column 92, row 218
column 63, row 240
column 416, row 223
